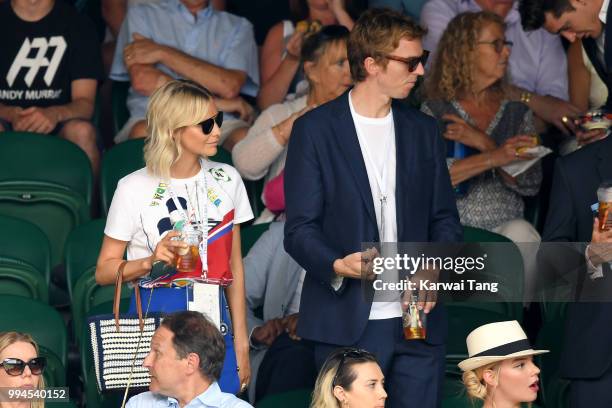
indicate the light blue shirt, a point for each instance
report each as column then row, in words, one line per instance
column 537, row 61
column 212, row 397
column 410, row 7
column 216, row 37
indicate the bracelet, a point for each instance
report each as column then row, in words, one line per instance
column 526, row 97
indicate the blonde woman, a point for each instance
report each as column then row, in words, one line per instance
column 500, row 370
column 181, row 189
column 21, row 367
column 349, row 378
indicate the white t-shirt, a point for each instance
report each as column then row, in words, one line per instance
column 377, row 136
column 142, row 205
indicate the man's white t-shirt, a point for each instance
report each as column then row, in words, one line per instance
column 142, row 207
column 378, row 135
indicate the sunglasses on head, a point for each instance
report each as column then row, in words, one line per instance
column 411, row 62
column 208, row 124
column 15, row 366
column 498, row 44
column 348, row 354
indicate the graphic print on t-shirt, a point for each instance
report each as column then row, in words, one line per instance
column 37, row 59
column 219, row 228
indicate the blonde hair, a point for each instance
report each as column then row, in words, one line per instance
column 339, row 367
column 451, row 72
column 475, row 385
column 174, row 105
column 10, row 338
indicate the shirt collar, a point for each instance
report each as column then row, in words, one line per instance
column 603, row 13
column 201, row 15
column 512, row 18
column 209, row 398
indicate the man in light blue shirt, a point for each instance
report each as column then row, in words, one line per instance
column 538, row 65
column 170, row 39
column 185, row 361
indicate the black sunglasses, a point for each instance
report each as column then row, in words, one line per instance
column 208, row 124
column 15, row 366
column 412, row 62
column 498, row 44
column 351, row 354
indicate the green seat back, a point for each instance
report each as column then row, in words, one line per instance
column 120, row 112
column 60, row 404
column 25, row 241
column 41, row 321
column 47, row 181
column 254, row 191
column 55, row 372
column 87, row 294
column 82, row 250
column 293, row 399
column 21, row 279
column 504, row 265
column 222, row 156
column 118, row 162
column 250, row 234
column 92, row 395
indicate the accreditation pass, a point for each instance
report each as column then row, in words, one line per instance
column 33, row 394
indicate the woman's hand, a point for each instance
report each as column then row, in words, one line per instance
column 282, row 131
column 509, row 152
column 244, row 365
column 459, row 130
column 294, row 45
column 337, row 6
column 166, row 249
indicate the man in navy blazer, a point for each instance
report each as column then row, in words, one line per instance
column 587, row 352
column 365, row 168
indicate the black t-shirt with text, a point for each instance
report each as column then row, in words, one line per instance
column 39, row 60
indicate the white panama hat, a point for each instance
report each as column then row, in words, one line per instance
column 496, row 342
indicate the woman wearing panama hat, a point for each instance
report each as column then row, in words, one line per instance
column 500, row 369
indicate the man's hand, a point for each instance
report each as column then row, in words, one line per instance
column 241, row 107
column 290, row 322
column 267, row 333
column 459, row 130
column 142, row 51
column 426, row 298
column 357, row 264
column 556, row 112
column 37, row 120
column 600, row 248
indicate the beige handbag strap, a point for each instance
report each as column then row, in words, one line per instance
column 117, row 299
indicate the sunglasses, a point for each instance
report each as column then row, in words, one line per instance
column 15, row 366
column 351, row 354
column 498, row 44
column 411, row 62
column 208, row 124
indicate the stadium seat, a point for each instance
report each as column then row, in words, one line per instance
column 250, row 234
column 504, row 265
column 93, row 397
column 46, row 327
column 254, row 191
column 120, row 112
column 46, row 181
column 82, row 250
column 293, row 399
column 118, row 162
column 25, row 259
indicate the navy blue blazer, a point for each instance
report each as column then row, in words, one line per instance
column 330, row 211
column 587, row 351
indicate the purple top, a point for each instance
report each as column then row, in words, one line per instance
column 537, row 62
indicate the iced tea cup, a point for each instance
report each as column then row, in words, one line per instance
column 414, row 321
column 188, row 259
column 604, row 196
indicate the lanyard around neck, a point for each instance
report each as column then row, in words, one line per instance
column 200, row 212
